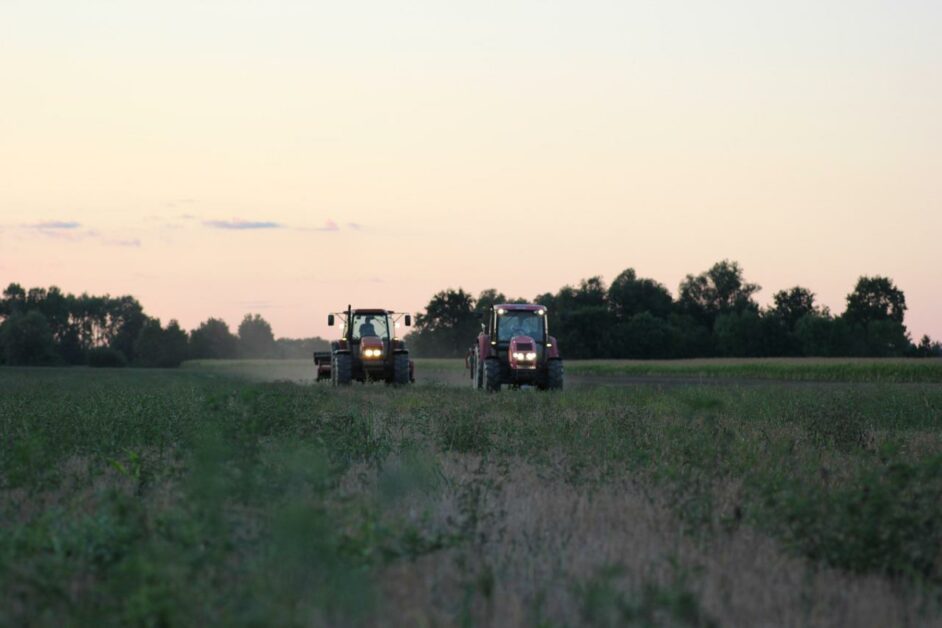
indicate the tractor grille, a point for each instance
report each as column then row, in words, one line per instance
column 524, row 346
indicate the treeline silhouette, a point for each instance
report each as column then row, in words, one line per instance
column 46, row 327
column 714, row 315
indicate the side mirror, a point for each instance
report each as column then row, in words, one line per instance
column 330, row 320
column 408, row 320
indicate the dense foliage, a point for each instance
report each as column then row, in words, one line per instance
column 44, row 327
column 714, row 315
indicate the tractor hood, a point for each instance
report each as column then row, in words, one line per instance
column 371, row 348
column 522, row 352
column 371, row 342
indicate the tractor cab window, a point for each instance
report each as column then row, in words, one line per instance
column 370, row 325
column 519, row 323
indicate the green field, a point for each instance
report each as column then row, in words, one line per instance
column 208, row 494
column 898, row 370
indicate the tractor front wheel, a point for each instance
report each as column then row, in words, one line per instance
column 491, row 375
column 341, row 371
column 401, row 369
column 554, row 375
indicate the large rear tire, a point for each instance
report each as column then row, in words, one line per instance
column 491, row 375
column 401, row 369
column 341, row 370
column 554, row 375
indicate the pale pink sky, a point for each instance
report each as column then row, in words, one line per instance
column 217, row 158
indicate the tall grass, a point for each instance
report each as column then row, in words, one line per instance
column 189, row 497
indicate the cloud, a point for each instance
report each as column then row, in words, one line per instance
column 54, row 225
column 68, row 230
column 355, row 226
column 241, row 225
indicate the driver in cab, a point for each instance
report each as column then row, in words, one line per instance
column 366, row 328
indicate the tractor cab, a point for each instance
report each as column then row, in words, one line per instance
column 518, row 329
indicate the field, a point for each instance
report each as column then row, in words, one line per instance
column 216, row 493
column 898, row 370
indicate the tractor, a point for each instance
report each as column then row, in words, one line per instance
column 515, row 349
column 369, row 349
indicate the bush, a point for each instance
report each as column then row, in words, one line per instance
column 106, row 357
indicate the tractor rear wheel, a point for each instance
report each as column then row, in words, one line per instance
column 554, row 375
column 401, row 369
column 491, row 375
column 341, row 371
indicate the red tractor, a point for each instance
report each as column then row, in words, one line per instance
column 514, row 348
column 369, row 349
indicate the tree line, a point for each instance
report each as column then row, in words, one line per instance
column 47, row 327
column 715, row 314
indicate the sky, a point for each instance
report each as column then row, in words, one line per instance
column 215, row 158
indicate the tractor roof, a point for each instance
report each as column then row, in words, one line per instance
column 371, row 311
column 520, row 307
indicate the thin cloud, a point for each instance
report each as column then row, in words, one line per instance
column 54, row 225
column 241, row 225
column 355, row 226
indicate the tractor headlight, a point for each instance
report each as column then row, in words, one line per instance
column 519, row 356
column 372, row 353
column 531, row 355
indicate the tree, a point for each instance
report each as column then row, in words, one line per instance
column 26, row 339
column 487, row 299
column 175, row 345
column 628, row 295
column 792, row 304
column 740, row 334
column 643, row 336
column 159, row 347
column 149, row 344
column 927, row 349
column 875, row 311
column 821, row 335
column 719, row 290
column 125, row 320
column 213, row 340
column 14, row 300
column 255, row 337
column 875, row 299
column 581, row 319
column 886, row 339
column 448, row 325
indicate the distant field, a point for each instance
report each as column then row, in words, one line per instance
column 800, row 369
column 206, row 495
